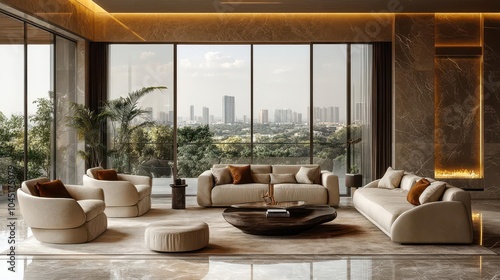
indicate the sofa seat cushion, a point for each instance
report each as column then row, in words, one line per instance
column 143, row 190
column 223, row 195
column 92, row 208
column 310, row 193
column 382, row 205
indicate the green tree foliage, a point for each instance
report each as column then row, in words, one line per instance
column 88, row 126
column 39, row 140
column 196, row 152
column 123, row 113
column 11, row 147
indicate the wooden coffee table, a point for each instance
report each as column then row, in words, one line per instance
column 253, row 220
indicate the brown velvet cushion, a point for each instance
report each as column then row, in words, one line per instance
column 241, row 174
column 107, row 175
column 417, row 189
column 55, row 189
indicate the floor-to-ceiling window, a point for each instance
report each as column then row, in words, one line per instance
column 281, row 102
column 40, row 101
column 252, row 103
column 361, row 104
column 140, row 138
column 329, row 115
column 12, row 105
column 213, row 106
column 35, row 138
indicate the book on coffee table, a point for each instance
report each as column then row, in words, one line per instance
column 277, row 213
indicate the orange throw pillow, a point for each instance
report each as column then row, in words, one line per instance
column 107, row 175
column 55, row 189
column 417, row 190
column 241, row 174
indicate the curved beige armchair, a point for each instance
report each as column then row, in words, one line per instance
column 63, row 220
column 130, row 196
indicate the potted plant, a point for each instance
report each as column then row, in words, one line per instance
column 353, row 178
column 88, row 125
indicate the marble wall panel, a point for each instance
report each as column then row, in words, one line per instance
column 457, row 114
column 458, row 29
column 243, row 27
column 491, row 101
column 414, row 93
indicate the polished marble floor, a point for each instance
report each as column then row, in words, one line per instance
column 265, row 266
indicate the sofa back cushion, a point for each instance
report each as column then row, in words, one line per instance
column 261, row 178
column 293, row 169
column 255, row 168
column 408, row 181
column 283, row 178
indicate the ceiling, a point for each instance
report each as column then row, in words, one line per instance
column 298, row 6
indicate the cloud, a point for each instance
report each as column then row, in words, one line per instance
column 282, row 70
column 146, row 55
column 217, row 60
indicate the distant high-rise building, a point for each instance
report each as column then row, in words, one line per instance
column 206, row 118
column 191, row 113
column 336, row 115
column 149, row 113
column 228, row 114
column 358, row 112
column 263, row 116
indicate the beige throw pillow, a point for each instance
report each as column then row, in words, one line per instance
column 222, row 176
column 433, row 192
column 282, row 178
column 391, row 179
column 305, row 175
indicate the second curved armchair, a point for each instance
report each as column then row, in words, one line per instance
column 129, row 196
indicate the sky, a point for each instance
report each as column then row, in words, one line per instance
column 12, row 77
column 205, row 74
column 208, row 72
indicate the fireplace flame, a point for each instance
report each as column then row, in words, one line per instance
column 459, row 173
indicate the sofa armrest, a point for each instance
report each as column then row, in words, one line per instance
column 435, row 222
column 50, row 213
column 331, row 183
column 81, row 192
column 372, row 184
column 135, row 179
column 116, row 193
column 205, row 185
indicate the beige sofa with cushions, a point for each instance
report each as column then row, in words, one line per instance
column 63, row 220
column 130, row 196
column 448, row 219
column 324, row 188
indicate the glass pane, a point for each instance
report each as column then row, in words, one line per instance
column 141, row 142
column 361, row 93
column 40, row 102
column 69, row 165
column 213, row 106
column 12, row 105
column 281, row 102
column 329, row 111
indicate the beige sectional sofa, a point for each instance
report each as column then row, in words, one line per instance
column 324, row 189
column 448, row 219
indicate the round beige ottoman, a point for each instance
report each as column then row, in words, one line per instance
column 176, row 236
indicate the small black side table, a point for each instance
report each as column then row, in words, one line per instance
column 178, row 196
